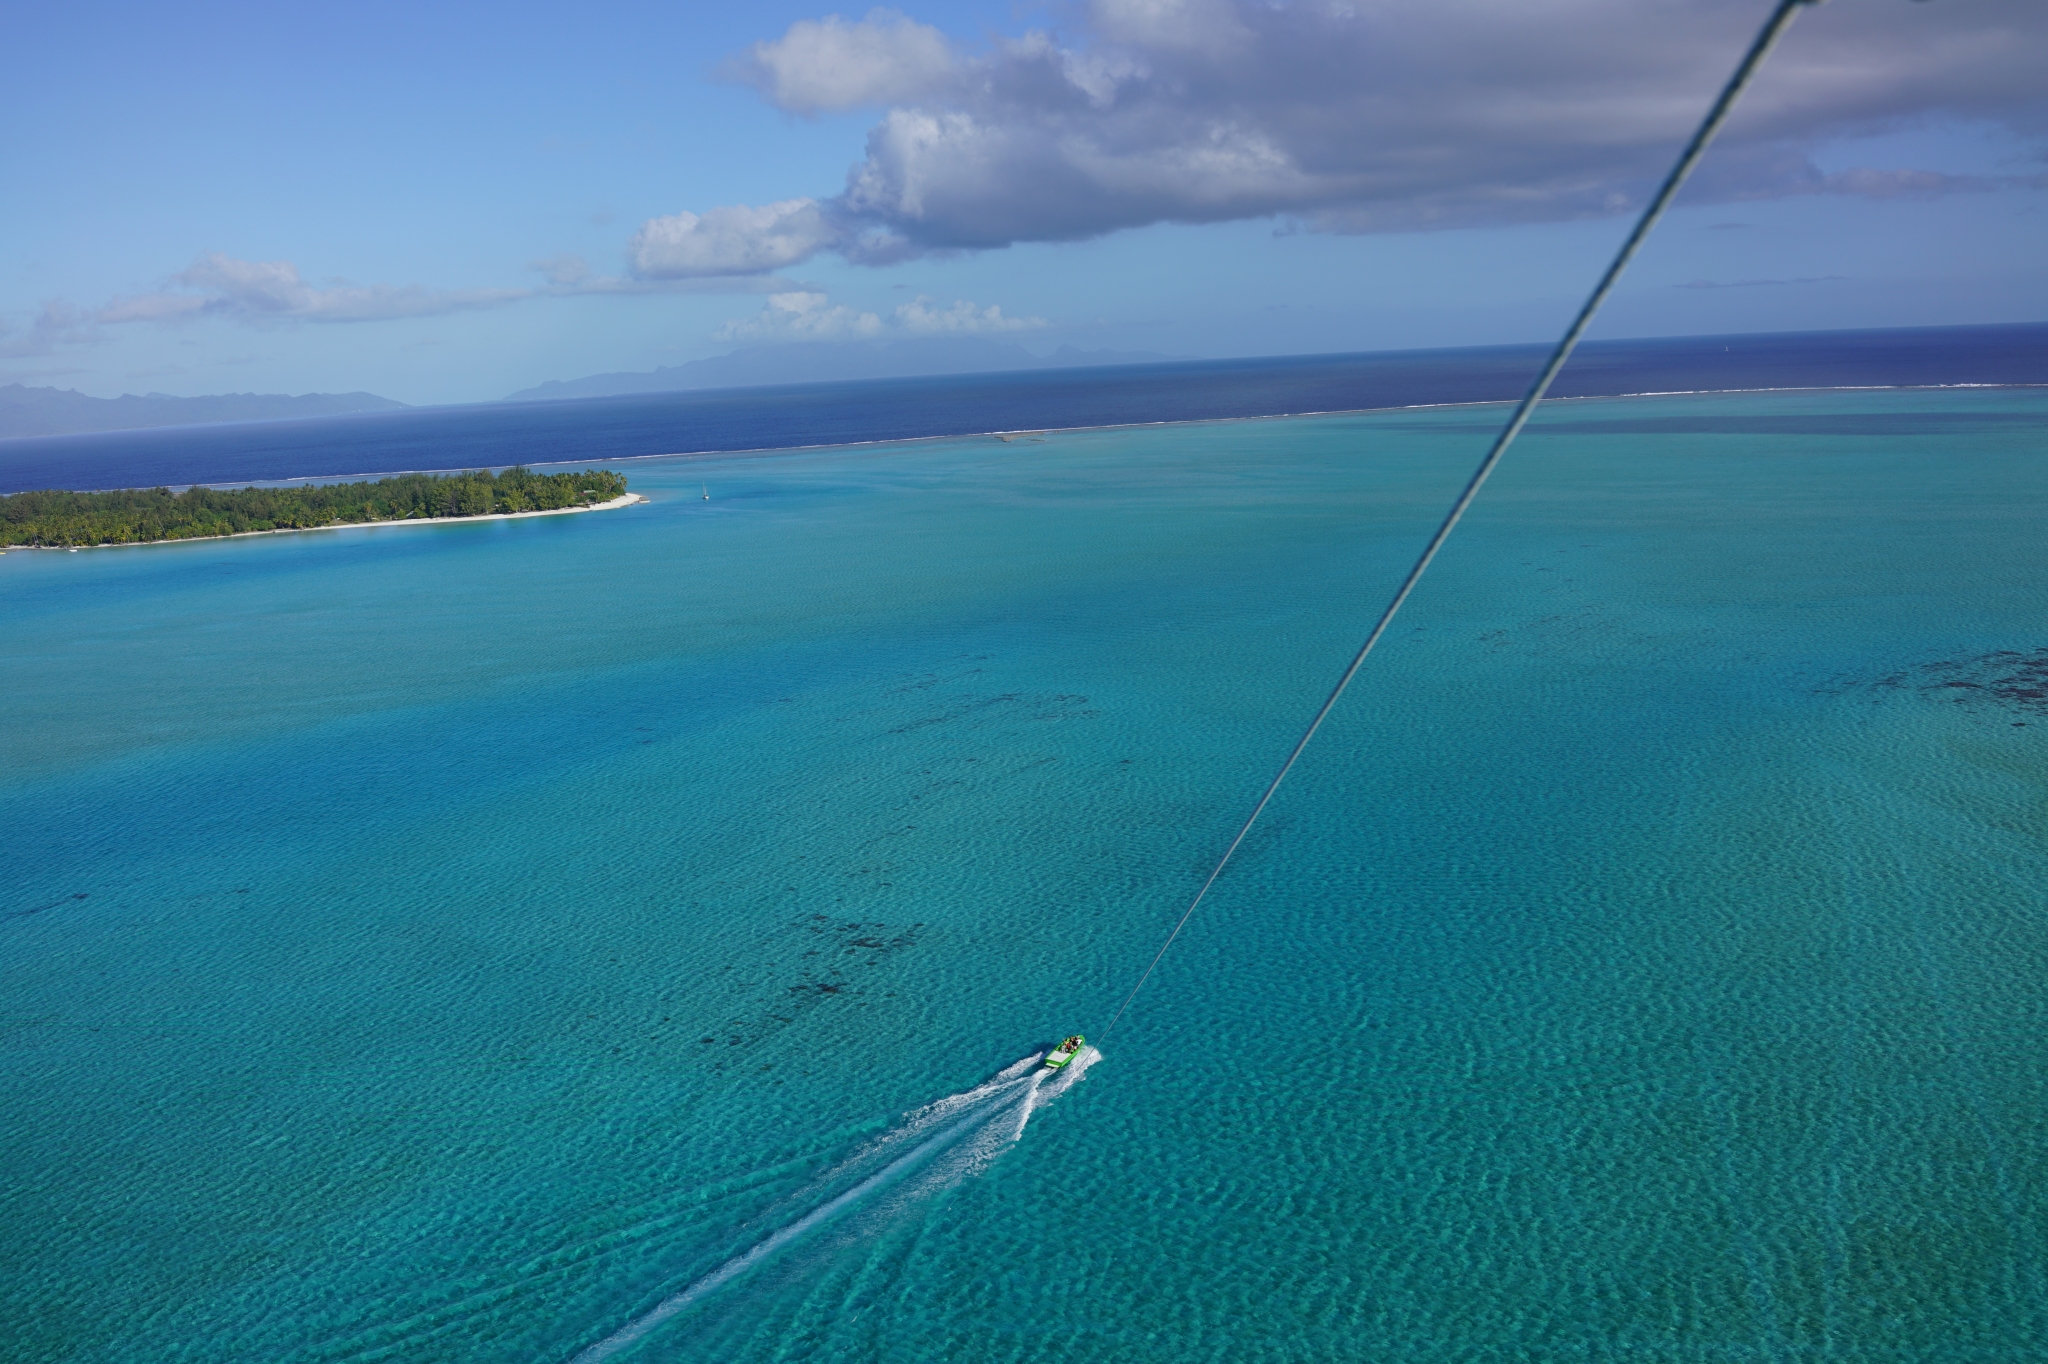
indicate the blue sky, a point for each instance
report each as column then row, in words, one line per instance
column 443, row 204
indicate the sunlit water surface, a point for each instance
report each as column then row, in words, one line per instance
column 469, row 942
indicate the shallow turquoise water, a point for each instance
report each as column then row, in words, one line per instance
column 488, row 931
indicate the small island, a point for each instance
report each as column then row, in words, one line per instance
column 133, row 516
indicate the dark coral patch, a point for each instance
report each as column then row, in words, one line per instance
column 2008, row 679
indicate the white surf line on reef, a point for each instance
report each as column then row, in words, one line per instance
column 983, row 1112
column 626, row 500
column 766, row 451
column 762, row 451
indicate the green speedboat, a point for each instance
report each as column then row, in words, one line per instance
column 1064, row 1052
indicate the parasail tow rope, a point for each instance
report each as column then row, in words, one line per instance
column 1767, row 38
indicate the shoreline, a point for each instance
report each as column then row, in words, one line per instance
column 627, row 500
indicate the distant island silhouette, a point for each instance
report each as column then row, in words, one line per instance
column 26, row 411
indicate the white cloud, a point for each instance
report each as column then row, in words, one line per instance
column 218, row 285
column 810, row 315
column 56, row 323
column 1758, row 283
column 564, row 271
column 801, row 317
column 571, row 276
column 1867, row 183
column 1208, row 27
column 735, row 240
column 829, row 64
column 920, row 317
column 272, row 292
column 1345, row 118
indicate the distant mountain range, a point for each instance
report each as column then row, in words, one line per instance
column 802, row 362
column 28, row 411
column 64, row 412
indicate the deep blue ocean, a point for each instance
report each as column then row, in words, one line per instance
column 594, row 430
column 629, row 935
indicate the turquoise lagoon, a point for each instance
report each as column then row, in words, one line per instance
column 450, row 943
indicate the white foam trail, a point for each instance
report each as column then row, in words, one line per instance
column 1065, row 1079
column 988, row 1142
column 739, row 1264
column 993, row 1138
column 953, row 1116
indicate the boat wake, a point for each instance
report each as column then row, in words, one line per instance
column 931, row 1148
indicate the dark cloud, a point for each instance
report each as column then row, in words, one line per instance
column 1347, row 117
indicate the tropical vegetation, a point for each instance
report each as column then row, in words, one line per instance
column 136, row 515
